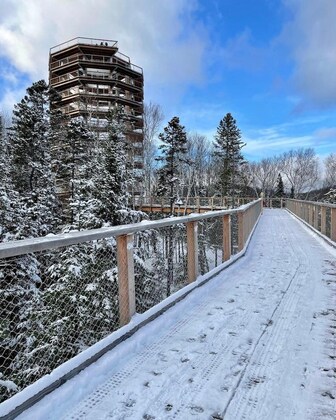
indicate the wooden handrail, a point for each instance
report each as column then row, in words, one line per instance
column 315, row 214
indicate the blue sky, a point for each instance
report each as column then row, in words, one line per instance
column 271, row 63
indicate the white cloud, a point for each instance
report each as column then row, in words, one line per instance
column 311, row 35
column 298, row 133
column 263, row 145
column 240, row 53
column 9, row 98
column 157, row 35
column 326, row 133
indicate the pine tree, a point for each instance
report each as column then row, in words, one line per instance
column 19, row 285
column 279, row 192
column 116, row 176
column 5, row 185
column 292, row 192
column 100, row 187
column 173, row 154
column 31, row 169
column 228, row 145
column 33, row 211
column 73, row 152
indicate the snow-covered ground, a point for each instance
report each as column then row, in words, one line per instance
column 256, row 342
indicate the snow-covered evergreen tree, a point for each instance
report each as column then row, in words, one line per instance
column 33, row 211
column 173, row 154
column 115, row 178
column 73, row 164
column 279, row 192
column 330, row 196
column 31, row 162
column 6, row 191
column 228, row 145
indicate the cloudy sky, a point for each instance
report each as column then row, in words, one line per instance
column 271, row 63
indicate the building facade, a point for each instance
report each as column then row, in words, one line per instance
column 93, row 78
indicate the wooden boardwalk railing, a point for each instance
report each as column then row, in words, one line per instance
column 321, row 216
column 187, row 205
column 101, row 245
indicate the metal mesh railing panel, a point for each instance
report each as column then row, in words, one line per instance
column 312, row 214
column 160, row 264
column 210, row 244
column 54, row 304
column 234, row 234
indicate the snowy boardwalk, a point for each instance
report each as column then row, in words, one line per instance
column 256, row 342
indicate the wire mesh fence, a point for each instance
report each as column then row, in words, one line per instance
column 55, row 304
column 210, row 244
column 321, row 216
column 59, row 298
column 160, row 264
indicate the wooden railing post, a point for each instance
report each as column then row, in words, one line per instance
column 323, row 220
column 311, row 222
column 240, row 231
column 226, row 237
column 316, row 213
column 192, row 251
column 125, row 278
column 333, row 224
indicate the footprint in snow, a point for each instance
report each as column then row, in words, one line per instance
column 328, row 394
column 196, row 409
column 156, row 373
column 217, row 416
column 163, row 357
column 130, row 403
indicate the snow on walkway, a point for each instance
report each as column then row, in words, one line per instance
column 256, row 342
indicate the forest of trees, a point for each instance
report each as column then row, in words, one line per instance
column 217, row 166
column 57, row 303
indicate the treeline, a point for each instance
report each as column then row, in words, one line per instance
column 217, row 167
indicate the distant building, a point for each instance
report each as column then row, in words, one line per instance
column 93, row 77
